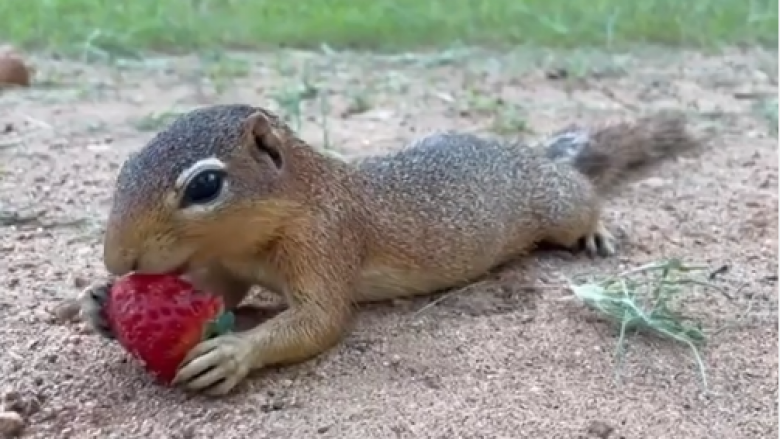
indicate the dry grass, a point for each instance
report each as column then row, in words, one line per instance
column 644, row 299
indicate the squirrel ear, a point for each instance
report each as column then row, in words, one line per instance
column 265, row 137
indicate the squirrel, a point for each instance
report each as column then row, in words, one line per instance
column 231, row 197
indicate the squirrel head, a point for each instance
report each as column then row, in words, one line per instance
column 188, row 196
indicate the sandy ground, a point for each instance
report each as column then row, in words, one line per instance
column 503, row 358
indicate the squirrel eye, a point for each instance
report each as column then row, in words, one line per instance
column 203, row 188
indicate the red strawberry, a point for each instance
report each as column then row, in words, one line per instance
column 160, row 318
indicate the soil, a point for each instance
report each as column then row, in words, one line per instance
column 505, row 357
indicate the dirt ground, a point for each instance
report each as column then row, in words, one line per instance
column 502, row 358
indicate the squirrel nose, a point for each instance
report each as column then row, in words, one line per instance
column 119, row 265
column 120, row 255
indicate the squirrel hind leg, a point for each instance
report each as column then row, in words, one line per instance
column 599, row 242
column 594, row 239
column 571, row 213
column 578, row 226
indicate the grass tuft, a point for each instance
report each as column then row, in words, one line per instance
column 642, row 299
column 768, row 110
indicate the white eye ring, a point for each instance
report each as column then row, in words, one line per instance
column 196, row 171
column 202, row 165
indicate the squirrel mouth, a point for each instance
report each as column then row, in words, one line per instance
column 186, row 272
column 181, row 270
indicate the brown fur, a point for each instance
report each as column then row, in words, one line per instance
column 605, row 154
column 327, row 234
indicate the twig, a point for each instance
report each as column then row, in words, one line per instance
column 16, row 219
column 9, row 218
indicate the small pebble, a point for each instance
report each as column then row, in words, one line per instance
column 11, row 424
column 80, row 282
column 68, row 311
column 26, row 405
column 655, row 182
column 13, row 72
column 600, row 429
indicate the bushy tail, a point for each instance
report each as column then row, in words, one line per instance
column 605, row 154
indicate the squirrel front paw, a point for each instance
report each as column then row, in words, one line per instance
column 93, row 301
column 216, row 366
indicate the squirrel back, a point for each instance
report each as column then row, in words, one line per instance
column 460, row 202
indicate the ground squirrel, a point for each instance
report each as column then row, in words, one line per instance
column 231, row 196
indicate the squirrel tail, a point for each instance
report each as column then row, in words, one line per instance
column 605, row 154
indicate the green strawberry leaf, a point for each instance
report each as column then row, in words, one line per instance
column 223, row 324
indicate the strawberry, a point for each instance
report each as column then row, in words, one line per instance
column 158, row 319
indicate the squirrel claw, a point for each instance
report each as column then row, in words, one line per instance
column 600, row 243
column 216, row 366
column 92, row 301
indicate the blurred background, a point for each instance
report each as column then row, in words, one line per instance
column 181, row 25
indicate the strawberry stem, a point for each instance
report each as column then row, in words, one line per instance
column 223, row 324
